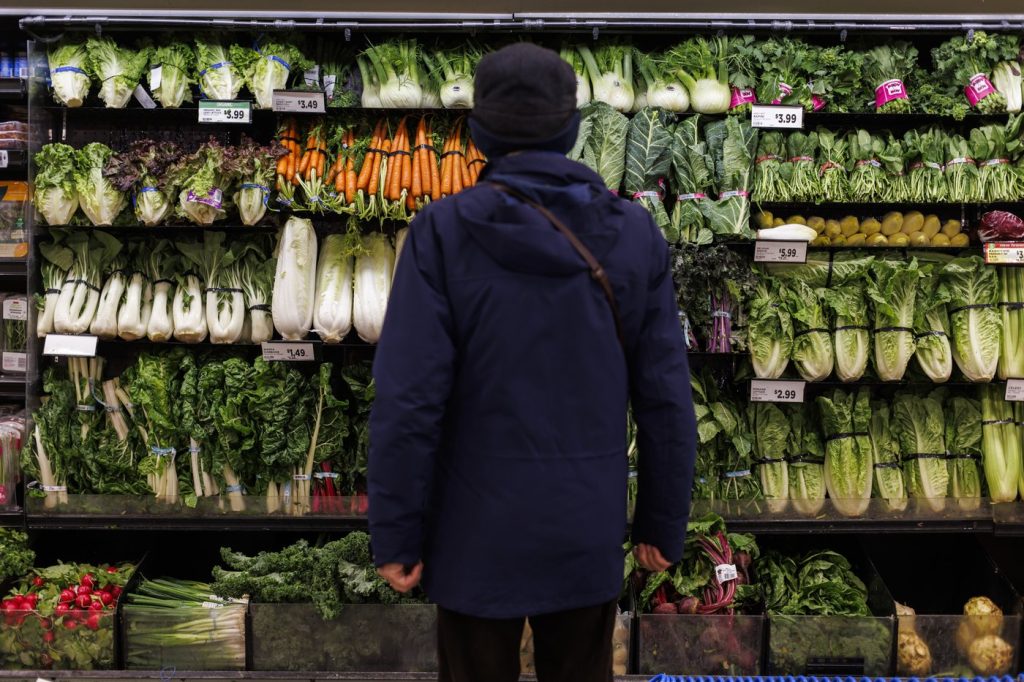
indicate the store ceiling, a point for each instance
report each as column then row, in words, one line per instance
column 637, row 8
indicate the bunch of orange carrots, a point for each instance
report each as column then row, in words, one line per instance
column 389, row 175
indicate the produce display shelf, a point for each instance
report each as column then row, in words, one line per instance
column 17, row 164
column 868, row 208
column 12, row 388
column 218, row 524
column 12, row 518
column 757, row 516
column 746, row 244
column 12, row 89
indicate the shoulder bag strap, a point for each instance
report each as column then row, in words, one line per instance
column 597, row 272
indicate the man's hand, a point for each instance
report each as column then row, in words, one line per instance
column 650, row 558
column 400, row 579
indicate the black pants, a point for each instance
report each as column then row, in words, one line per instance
column 568, row 646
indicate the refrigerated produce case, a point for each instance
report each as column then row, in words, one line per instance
column 183, row 534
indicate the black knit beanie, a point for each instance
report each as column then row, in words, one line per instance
column 524, row 97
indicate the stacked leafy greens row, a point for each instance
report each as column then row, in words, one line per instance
column 151, row 183
column 182, row 427
column 707, row 75
column 926, row 165
column 212, row 289
column 708, row 165
column 835, row 313
column 925, row 446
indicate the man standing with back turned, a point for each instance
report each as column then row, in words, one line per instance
column 497, row 468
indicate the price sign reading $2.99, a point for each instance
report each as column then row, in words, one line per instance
column 773, row 116
column 776, row 391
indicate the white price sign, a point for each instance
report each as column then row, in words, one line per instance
column 773, row 251
column 284, row 351
column 3, row 158
column 725, row 573
column 15, row 362
column 1014, row 390
column 776, row 391
column 70, row 345
column 299, row 102
column 225, row 111
column 16, row 308
column 773, row 116
column 1004, row 253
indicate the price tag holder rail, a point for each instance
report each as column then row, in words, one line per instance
column 778, row 251
column 291, row 351
column 225, row 111
column 299, row 101
column 1004, row 253
column 776, row 116
column 70, row 345
column 777, row 391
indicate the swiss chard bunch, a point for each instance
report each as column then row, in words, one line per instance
column 968, row 62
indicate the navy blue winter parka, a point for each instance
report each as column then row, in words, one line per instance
column 498, row 432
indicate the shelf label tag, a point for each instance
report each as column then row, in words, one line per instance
column 1004, row 253
column 3, row 158
column 311, row 77
column 777, row 251
column 287, row 351
column 143, row 97
column 156, row 77
column 16, row 308
column 299, row 102
column 725, row 573
column 15, row 362
column 1014, row 390
column 775, row 116
column 70, row 345
column 329, row 81
column 776, row 391
column 225, row 111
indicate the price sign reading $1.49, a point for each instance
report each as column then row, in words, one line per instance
column 776, row 391
column 773, row 116
column 773, row 251
column 277, row 351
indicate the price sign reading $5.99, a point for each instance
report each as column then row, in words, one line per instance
column 776, row 391
column 773, row 116
column 774, row 251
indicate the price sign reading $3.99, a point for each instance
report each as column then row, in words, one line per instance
column 776, row 391
column 774, row 116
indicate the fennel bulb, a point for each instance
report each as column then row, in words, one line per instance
column 1007, row 79
column 583, row 92
column 611, row 75
column 702, row 66
column 396, row 68
column 188, row 317
column 458, row 92
column 332, row 316
column 295, row 280
column 373, row 271
column 671, row 96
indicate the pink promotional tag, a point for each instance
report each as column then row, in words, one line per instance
column 978, row 88
column 888, row 91
column 783, row 91
column 741, row 97
column 213, row 198
column 818, row 103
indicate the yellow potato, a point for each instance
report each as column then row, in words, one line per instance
column 899, row 239
column 849, row 225
column 765, row 220
column 796, row 220
column 960, row 240
column 918, row 238
column 892, row 223
column 821, row 240
column 951, row 228
column 871, row 226
column 912, row 222
column 778, row 222
column 877, row 239
column 832, row 229
column 931, row 226
column 839, row 241
column 856, row 239
column 816, row 223
column 940, row 240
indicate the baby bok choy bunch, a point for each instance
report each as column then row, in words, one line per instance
column 180, row 623
column 219, row 267
column 79, row 296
